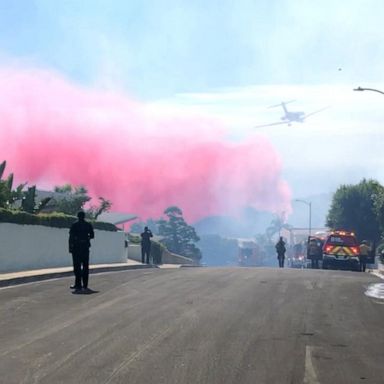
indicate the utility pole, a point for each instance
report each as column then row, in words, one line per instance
column 309, row 204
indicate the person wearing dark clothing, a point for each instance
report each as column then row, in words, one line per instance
column 146, row 245
column 280, row 249
column 314, row 252
column 80, row 234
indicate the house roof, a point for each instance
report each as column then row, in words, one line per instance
column 116, row 217
column 56, row 196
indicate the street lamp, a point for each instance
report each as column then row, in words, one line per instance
column 368, row 89
column 309, row 203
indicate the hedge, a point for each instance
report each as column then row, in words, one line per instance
column 134, row 239
column 157, row 250
column 57, row 220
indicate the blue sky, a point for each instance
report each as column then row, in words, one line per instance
column 230, row 60
column 155, row 48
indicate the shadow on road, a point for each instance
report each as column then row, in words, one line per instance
column 84, row 292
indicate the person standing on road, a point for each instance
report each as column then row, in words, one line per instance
column 280, row 249
column 146, row 245
column 80, row 234
column 314, row 252
column 364, row 253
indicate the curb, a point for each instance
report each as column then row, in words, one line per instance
column 377, row 273
column 54, row 275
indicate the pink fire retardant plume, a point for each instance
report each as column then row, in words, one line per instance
column 53, row 132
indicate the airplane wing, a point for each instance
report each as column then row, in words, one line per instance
column 312, row 113
column 269, row 125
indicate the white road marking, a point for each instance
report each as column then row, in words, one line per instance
column 310, row 376
column 377, row 273
column 376, row 291
column 308, row 284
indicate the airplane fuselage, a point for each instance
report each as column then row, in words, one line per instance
column 293, row 116
column 290, row 117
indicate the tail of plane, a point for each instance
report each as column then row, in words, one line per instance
column 282, row 105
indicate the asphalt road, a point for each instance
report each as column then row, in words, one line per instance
column 195, row 325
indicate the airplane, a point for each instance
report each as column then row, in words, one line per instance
column 289, row 116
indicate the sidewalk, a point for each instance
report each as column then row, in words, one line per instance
column 22, row 277
column 379, row 272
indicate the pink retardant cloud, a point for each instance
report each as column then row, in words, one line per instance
column 54, row 132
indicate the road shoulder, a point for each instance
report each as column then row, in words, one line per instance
column 22, row 277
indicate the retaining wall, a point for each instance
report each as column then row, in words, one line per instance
column 24, row 247
column 134, row 253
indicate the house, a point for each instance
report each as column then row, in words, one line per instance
column 117, row 218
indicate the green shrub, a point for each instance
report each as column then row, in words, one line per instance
column 134, row 239
column 56, row 220
column 157, row 250
column 379, row 251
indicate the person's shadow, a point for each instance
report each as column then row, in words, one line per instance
column 87, row 291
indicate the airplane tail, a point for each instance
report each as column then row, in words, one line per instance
column 283, row 105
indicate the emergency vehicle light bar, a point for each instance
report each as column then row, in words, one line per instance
column 342, row 233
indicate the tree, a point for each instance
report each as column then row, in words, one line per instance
column 96, row 210
column 4, row 195
column 358, row 208
column 66, row 188
column 74, row 200
column 8, row 196
column 277, row 224
column 378, row 208
column 28, row 202
column 178, row 236
column 152, row 224
column 137, row 227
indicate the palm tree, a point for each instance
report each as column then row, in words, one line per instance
column 277, row 224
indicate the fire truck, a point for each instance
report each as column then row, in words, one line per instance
column 341, row 250
column 249, row 253
column 315, row 250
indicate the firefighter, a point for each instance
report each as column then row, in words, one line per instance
column 364, row 253
column 280, row 249
column 314, row 253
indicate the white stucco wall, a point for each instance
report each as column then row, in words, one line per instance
column 25, row 247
